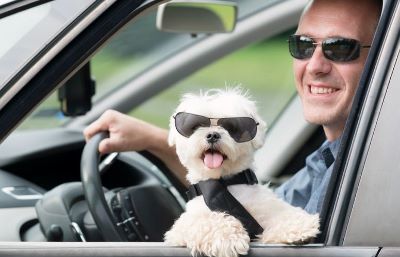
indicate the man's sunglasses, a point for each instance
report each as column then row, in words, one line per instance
column 241, row 129
column 336, row 49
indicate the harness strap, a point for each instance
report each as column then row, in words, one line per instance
column 218, row 198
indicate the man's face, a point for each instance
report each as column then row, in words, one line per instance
column 327, row 87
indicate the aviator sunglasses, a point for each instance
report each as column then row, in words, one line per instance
column 241, row 129
column 336, row 49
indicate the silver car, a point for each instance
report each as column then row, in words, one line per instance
column 64, row 62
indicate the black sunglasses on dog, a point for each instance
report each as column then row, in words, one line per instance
column 336, row 49
column 241, row 129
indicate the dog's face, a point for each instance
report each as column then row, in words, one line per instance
column 220, row 149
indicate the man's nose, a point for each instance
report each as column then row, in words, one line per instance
column 318, row 64
column 213, row 137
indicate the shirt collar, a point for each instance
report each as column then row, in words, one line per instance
column 333, row 146
column 328, row 151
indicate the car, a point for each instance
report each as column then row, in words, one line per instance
column 65, row 62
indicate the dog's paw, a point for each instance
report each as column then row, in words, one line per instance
column 174, row 238
column 233, row 246
column 228, row 247
column 211, row 234
column 299, row 230
column 220, row 236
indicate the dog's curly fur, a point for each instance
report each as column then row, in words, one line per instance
column 216, row 233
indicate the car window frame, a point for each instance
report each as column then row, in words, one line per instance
column 15, row 6
column 17, row 81
column 339, row 201
column 51, row 72
column 379, row 103
column 93, row 249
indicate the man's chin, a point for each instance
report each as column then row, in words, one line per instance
column 316, row 117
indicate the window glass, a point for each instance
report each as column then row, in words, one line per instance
column 30, row 31
column 263, row 68
column 139, row 46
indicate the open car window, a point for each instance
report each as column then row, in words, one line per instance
column 263, row 66
column 139, row 46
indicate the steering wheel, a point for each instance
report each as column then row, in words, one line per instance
column 94, row 192
column 139, row 213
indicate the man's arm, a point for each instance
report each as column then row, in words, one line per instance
column 130, row 134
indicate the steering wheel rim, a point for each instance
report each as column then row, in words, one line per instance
column 94, row 193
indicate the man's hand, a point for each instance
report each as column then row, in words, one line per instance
column 130, row 134
column 126, row 133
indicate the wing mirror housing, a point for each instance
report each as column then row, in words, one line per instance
column 197, row 16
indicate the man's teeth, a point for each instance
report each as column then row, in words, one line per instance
column 322, row 90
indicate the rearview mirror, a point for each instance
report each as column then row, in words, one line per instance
column 197, row 16
column 76, row 94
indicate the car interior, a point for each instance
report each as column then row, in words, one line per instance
column 133, row 196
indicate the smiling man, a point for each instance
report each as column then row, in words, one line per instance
column 327, row 84
column 330, row 48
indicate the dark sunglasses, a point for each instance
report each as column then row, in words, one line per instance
column 241, row 129
column 336, row 49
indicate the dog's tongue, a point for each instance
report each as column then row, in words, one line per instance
column 213, row 160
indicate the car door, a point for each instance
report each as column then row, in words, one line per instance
column 367, row 203
column 341, row 233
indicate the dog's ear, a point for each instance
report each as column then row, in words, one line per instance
column 172, row 131
column 259, row 139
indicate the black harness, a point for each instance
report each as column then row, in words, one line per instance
column 217, row 198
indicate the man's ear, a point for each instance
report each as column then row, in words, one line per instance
column 259, row 139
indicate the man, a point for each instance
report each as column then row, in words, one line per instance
column 326, row 88
column 330, row 48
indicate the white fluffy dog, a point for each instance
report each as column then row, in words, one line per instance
column 216, row 233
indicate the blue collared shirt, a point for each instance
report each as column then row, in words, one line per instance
column 307, row 188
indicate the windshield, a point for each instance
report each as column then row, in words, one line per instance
column 140, row 45
column 136, row 48
column 30, row 31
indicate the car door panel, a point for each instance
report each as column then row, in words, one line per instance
column 376, row 187
column 389, row 252
column 49, row 157
column 159, row 249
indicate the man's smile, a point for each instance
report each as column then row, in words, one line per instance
column 315, row 90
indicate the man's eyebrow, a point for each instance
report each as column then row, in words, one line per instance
column 325, row 37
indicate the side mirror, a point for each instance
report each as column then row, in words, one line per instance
column 196, row 16
column 75, row 95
